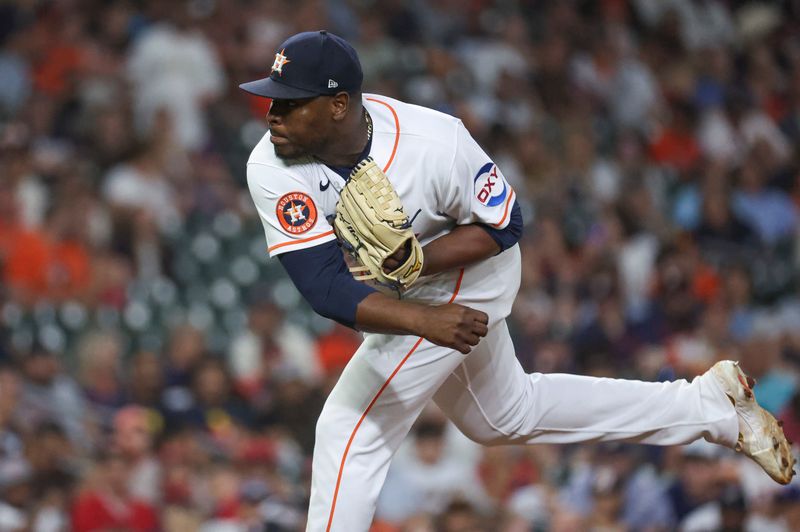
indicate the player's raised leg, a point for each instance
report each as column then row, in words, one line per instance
column 370, row 410
column 492, row 400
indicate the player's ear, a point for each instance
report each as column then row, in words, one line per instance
column 340, row 103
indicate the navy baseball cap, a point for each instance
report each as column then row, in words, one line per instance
column 310, row 64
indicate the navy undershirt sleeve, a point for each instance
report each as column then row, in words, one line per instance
column 509, row 235
column 322, row 277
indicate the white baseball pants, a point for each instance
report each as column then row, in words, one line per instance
column 492, row 400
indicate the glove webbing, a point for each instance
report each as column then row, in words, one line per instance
column 372, row 225
column 387, row 198
column 362, row 273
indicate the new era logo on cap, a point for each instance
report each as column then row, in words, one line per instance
column 321, row 64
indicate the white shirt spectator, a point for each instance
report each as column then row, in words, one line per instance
column 32, row 197
column 414, row 486
column 722, row 140
column 630, row 91
column 127, row 185
column 758, row 127
column 532, row 503
column 176, row 70
column 703, row 23
column 12, row 519
column 718, row 138
column 488, row 59
column 295, row 344
column 709, row 517
column 636, row 262
column 145, row 480
column 61, row 401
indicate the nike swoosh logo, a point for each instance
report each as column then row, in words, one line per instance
column 323, row 188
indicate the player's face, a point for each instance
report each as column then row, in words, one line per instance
column 299, row 127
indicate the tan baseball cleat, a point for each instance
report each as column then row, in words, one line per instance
column 760, row 434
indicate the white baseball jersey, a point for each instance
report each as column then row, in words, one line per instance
column 441, row 173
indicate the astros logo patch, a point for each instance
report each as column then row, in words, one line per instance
column 296, row 212
column 280, row 60
column 490, row 187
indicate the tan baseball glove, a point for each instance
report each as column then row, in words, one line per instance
column 372, row 226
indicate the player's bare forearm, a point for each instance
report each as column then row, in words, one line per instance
column 464, row 245
column 451, row 325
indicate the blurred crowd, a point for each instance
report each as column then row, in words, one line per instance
column 157, row 372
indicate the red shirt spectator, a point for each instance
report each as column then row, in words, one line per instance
column 108, row 504
column 336, row 348
column 676, row 144
column 675, row 149
column 98, row 511
column 25, row 259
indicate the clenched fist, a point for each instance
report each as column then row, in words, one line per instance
column 454, row 326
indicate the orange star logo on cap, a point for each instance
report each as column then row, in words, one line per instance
column 280, row 60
